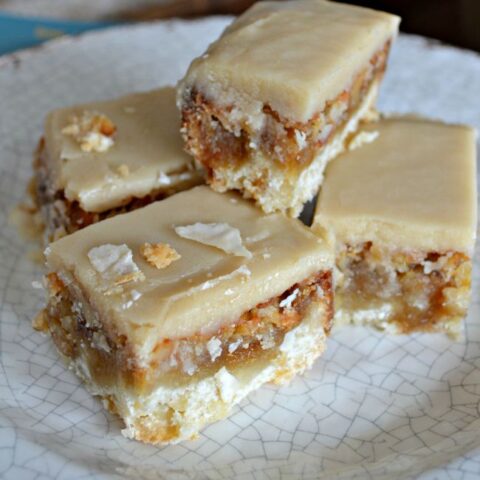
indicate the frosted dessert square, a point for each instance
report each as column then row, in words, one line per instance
column 403, row 211
column 99, row 159
column 272, row 101
column 174, row 312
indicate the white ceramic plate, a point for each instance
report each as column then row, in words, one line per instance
column 373, row 407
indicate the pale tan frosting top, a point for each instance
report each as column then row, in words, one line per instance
column 147, row 142
column 414, row 186
column 291, row 55
column 206, row 287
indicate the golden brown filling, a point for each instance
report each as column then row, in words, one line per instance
column 62, row 216
column 216, row 141
column 424, row 291
column 255, row 334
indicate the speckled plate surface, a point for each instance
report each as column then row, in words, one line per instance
column 373, row 407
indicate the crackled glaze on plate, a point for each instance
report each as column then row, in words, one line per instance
column 373, row 407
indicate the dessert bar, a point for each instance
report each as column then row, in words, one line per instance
column 403, row 211
column 272, row 101
column 174, row 312
column 103, row 158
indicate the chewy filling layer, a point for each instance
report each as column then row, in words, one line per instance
column 63, row 216
column 413, row 291
column 217, row 140
column 256, row 334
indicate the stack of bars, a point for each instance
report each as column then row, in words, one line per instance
column 173, row 300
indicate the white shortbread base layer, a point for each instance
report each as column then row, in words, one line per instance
column 276, row 192
column 371, row 317
column 378, row 318
column 193, row 406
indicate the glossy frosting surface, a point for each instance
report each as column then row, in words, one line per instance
column 291, row 55
column 414, row 186
column 147, row 142
column 207, row 287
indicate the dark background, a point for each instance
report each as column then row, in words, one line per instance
column 451, row 21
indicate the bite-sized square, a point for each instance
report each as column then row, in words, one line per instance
column 173, row 313
column 272, row 101
column 403, row 211
column 103, row 158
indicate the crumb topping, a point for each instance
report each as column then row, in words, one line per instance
column 123, row 170
column 219, row 235
column 129, row 277
column 159, row 255
column 40, row 322
column 93, row 131
column 55, row 285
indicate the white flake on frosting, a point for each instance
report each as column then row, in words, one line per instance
column 113, row 261
column 219, row 235
column 134, row 296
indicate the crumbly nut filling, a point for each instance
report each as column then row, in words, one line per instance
column 423, row 291
column 63, row 217
column 216, row 140
column 257, row 332
column 93, row 131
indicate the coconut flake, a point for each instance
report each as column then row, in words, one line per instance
column 114, row 262
column 301, row 139
column 227, row 385
column 164, row 179
column 234, row 345
column 219, row 235
column 287, row 302
column 214, row 347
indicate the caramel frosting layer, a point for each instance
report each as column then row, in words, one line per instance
column 412, row 185
column 206, row 285
column 103, row 153
column 292, row 55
